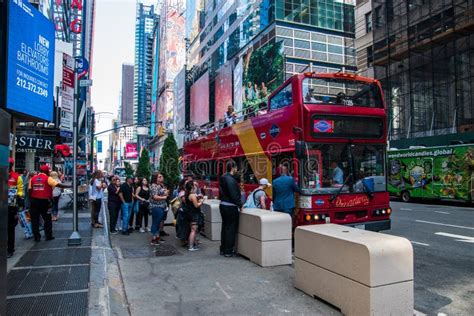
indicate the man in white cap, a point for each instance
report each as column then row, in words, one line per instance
column 259, row 195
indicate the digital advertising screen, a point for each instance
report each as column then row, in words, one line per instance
column 131, row 151
column 223, row 93
column 263, row 72
column 30, row 61
column 200, row 100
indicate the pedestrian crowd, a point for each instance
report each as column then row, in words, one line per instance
column 131, row 203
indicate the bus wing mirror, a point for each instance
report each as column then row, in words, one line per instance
column 300, row 149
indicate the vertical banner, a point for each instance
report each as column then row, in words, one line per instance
column 238, row 74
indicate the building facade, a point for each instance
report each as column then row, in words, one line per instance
column 423, row 52
column 144, row 25
column 126, row 98
column 227, row 38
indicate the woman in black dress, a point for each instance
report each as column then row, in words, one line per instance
column 193, row 210
column 142, row 195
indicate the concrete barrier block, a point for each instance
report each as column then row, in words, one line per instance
column 354, row 298
column 265, row 225
column 366, row 257
column 212, row 230
column 265, row 253
column 210, row 209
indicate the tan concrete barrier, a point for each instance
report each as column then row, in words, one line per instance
column 358, row 271
column 265, row 237
column 212, row 219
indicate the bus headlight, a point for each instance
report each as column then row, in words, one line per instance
column 305, row 201
column 316, row 217
column 307, row 217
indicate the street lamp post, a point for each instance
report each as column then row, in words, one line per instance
column 75, row 238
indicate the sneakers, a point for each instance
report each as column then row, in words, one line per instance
column 147, row 229
column 142, row 230
column 193, row 249
column 113, row 232
column 155, row 241
column 130, row 230
column 10, row 254
column 50, row 238
column 164, row 234
column 126, row 233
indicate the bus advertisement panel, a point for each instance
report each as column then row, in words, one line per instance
column 432, row 173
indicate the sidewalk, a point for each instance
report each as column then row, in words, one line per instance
column 169, row 280
column 49, row 277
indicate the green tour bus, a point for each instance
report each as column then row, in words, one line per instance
column 445, row 173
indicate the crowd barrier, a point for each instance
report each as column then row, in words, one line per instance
column 212, row 220
column 265, row 237
column 361, row 272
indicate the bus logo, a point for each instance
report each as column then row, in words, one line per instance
column 274, row 131
column 319, row 202
column 323, row 126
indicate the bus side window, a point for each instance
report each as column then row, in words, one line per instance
column 282, row 99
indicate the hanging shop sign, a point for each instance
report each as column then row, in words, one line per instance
column 32, row 143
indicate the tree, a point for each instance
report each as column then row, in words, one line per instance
column 128, row 169
column 143, row 170
column 169, row 162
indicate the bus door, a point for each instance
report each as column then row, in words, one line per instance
column 312, row 170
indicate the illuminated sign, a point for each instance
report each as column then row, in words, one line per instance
column 323, row 126
column 30, row 61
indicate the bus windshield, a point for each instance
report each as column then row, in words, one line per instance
column 344, row 168
column 345, row 92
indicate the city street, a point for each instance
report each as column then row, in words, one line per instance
column 443, row 242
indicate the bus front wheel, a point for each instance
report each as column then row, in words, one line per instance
column 406, row 196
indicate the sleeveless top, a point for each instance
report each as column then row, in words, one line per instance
column 144, row 194
column 191, row 208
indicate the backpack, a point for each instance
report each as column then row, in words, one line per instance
column 250, row 203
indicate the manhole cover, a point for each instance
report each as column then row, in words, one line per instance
column 164, row 250
column 137, row 252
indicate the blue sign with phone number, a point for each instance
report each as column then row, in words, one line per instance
column 30, row 60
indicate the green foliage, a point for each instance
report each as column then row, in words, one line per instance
column 128, row 169
column 143, row 170
column 169, row 162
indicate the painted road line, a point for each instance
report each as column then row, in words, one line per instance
column 442, row 224
column 440, row 212
column 419, row 243
column 405, row 209
column 459, row 237
column 417, row 313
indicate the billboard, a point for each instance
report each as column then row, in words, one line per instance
column 223, row 90
column 263, row 72
column 30, row 61
column 200, row 100
column 131, row 151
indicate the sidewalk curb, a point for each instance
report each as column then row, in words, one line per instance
column 106, row 290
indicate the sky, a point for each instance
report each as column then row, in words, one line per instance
column 114, row 42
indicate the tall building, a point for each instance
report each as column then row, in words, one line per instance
column 168, row 60
column 235, row 45
column 144, row 24
column 423, row 52
column 126, row 99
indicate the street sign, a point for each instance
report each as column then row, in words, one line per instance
column 66, row 123
column 99, row 146
column 82, row 67
column 85, row 83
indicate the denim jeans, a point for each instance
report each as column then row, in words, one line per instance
column 157, row 214
column 126, row 209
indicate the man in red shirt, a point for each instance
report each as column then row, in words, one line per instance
column 41, row 193
column 12, row 206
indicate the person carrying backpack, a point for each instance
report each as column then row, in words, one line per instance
column 258, row 197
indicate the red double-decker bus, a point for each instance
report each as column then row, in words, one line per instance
column 330, row 129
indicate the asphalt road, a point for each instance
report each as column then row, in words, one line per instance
column 443, row 242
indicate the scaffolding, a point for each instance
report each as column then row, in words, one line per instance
column 423, row 53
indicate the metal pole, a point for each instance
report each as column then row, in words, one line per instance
column 75, row 238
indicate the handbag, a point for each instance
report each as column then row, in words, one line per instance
column 175, row 205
